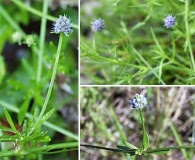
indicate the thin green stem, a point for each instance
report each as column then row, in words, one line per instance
column 52, row 77
column 143, row 128
column 36, row 12
column 152, row 151
column 193, row 128
column 113, row 61
column 94, row 43
column 188, row 36
column 146, row 63
column 47, row 148
column 142, row 121
column 32, row 10
column 104, row 148
column 168, row 148
column 42, row 40
column 178, row 139
column 120, row 128
column 42, row 149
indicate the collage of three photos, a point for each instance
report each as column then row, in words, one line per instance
column 97, row 80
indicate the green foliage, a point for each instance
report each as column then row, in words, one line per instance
column 131, row 146
column 2, row 66
column 136, row 47
column 10, row 121
column 30, row 135
column 31, row 90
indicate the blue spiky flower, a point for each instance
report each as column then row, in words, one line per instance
column 169, row 21
column 97, row 25
column 62, row 25
column 139, row 101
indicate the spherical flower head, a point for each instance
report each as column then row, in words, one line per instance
column 97, row 25
column 17, row 37
column 169, row 21
column 62, row 25
column 139, row 101
column 30, row 40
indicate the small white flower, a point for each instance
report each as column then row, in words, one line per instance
column 138, row 102
column 62, row 24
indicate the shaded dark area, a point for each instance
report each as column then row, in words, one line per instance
column 12, row 54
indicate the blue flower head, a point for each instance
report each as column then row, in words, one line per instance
column 97, row 25
column 139, row 101
column 169, row 21
column 62, row 25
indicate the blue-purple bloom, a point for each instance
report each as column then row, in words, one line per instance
column 139, row 101
column 62, row 25
column 169, row 21
column 97, row 25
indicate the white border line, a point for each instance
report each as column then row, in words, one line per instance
column 79, row 80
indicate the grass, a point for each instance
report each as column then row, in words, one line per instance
column 107, row 120
column 135, row 47
column 38, row 81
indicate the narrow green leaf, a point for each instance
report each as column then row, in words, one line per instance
column 23, row 110
column 156, row 41
column 35, row 114
column 120, row 128
column 125, row 148
column 131, row 146
column 8, row 138
column 59, row 151
column 104, row 148
column 41, row 149
column 39, row 137
column 43, row 139
column 131, row 151
column 46, row 148
column 42, row 120
column 160, row 68
column 145, row 138
column 7, row 129
column 9, row 120
column 24, row 126
column 45, row 117
column 179, row 141
column 39, row 98
column 145, row 141
column 148, row 65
